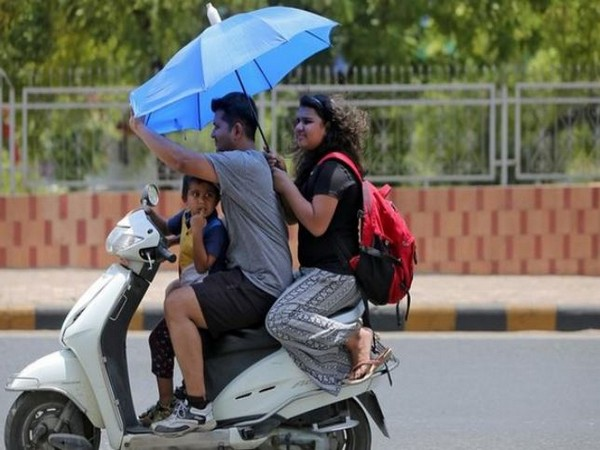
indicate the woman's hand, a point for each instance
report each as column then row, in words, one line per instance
column 280, row 179
column 276, row 162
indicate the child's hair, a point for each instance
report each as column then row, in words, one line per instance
column 188, row 179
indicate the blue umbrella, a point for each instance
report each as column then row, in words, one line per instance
column 249, row 52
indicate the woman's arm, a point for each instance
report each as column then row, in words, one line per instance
column 315, row 216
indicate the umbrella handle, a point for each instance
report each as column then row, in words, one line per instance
column 262, row 134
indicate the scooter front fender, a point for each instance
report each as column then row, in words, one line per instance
column 59, row 372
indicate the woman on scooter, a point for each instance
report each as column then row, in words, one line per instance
column 325, row 200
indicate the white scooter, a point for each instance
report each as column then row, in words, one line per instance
column 261, row 399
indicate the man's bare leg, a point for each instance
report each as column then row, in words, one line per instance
column 184, row 317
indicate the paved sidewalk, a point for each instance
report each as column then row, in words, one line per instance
column 40, row 298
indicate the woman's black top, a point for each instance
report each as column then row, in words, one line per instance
column 332, row 250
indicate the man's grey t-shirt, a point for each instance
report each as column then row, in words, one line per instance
column 258, row 234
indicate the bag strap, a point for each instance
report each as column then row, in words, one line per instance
column 345, row 159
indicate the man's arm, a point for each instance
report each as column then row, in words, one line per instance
column 175, row 156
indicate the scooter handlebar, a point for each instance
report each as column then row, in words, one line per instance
column 166, row 254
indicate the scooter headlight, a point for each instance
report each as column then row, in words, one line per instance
column 120, row 239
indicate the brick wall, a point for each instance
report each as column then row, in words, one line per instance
column 478, row 230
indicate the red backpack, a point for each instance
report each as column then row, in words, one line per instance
column 384, row 267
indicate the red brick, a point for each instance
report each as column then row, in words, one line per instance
column 421, row 224
column 95, row 206
column 465, row 248
column 80, row 206
column 581, row 246
column 49, row 256
column 596, row 197
column 538, row 221
column 32, row 207
column 509, row 266
column 437, row 224
column 63, row 207
column 3, row 262
column 509, row 223
column 451, row 200
column 49, row 207
column 437, row 200
column 17, row 234
column 47, row 232
column 591, row 221
column 81, row 234
column 450, row 224
column 524, row 247
column 567, row 197
column 523, row 222
column 481, row 223
column 523, row 197
column 18, row 208
column 551, row 247
column 494, row 198
column 33, row 262
column 65, row 260
column 2, row 209
column 31, row 231
column 451, row 245
column 510, row 247
column 552, row 197
column 465, row 199
column 481, row 267
column 582, row 197
column 95, row 232
column 466, row 229
column 580, row 221
column 538, row 267
column 566, row 221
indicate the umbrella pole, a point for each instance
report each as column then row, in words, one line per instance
column 262, row 134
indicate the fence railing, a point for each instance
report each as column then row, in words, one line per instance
column 451, row 133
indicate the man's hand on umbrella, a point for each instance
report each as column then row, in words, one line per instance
column 135, row 123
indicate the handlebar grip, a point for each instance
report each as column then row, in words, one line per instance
column 166, row 254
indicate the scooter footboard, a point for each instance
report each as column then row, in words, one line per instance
column 59, row 372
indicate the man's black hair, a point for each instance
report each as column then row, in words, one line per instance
column 238, row 107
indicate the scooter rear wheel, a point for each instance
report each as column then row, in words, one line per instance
column 34, row 416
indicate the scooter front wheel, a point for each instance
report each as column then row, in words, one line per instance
column 36, row 415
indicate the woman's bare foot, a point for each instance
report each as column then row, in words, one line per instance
column 359, row 345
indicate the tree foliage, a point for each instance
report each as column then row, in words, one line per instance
column 137, row 36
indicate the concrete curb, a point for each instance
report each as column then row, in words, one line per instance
column 431, row 318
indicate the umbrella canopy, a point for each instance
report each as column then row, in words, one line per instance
column 256, row 48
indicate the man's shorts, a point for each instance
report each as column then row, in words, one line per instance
column 229, row 301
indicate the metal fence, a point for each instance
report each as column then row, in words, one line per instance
column 451, row 133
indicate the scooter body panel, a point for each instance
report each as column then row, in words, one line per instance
column 61, row 372
column 82, row 333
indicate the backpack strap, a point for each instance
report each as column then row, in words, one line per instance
column 343, row 158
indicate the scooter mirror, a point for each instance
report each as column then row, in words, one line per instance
column 150, row 195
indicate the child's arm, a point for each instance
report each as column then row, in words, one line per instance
column 203, row 261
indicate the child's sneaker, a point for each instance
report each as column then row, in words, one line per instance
column 156, row 413
column 185, row 419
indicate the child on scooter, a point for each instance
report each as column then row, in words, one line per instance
column 203, row 242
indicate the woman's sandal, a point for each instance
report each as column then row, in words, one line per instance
column 372, row 366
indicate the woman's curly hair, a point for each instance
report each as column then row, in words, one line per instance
column 346, row 130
